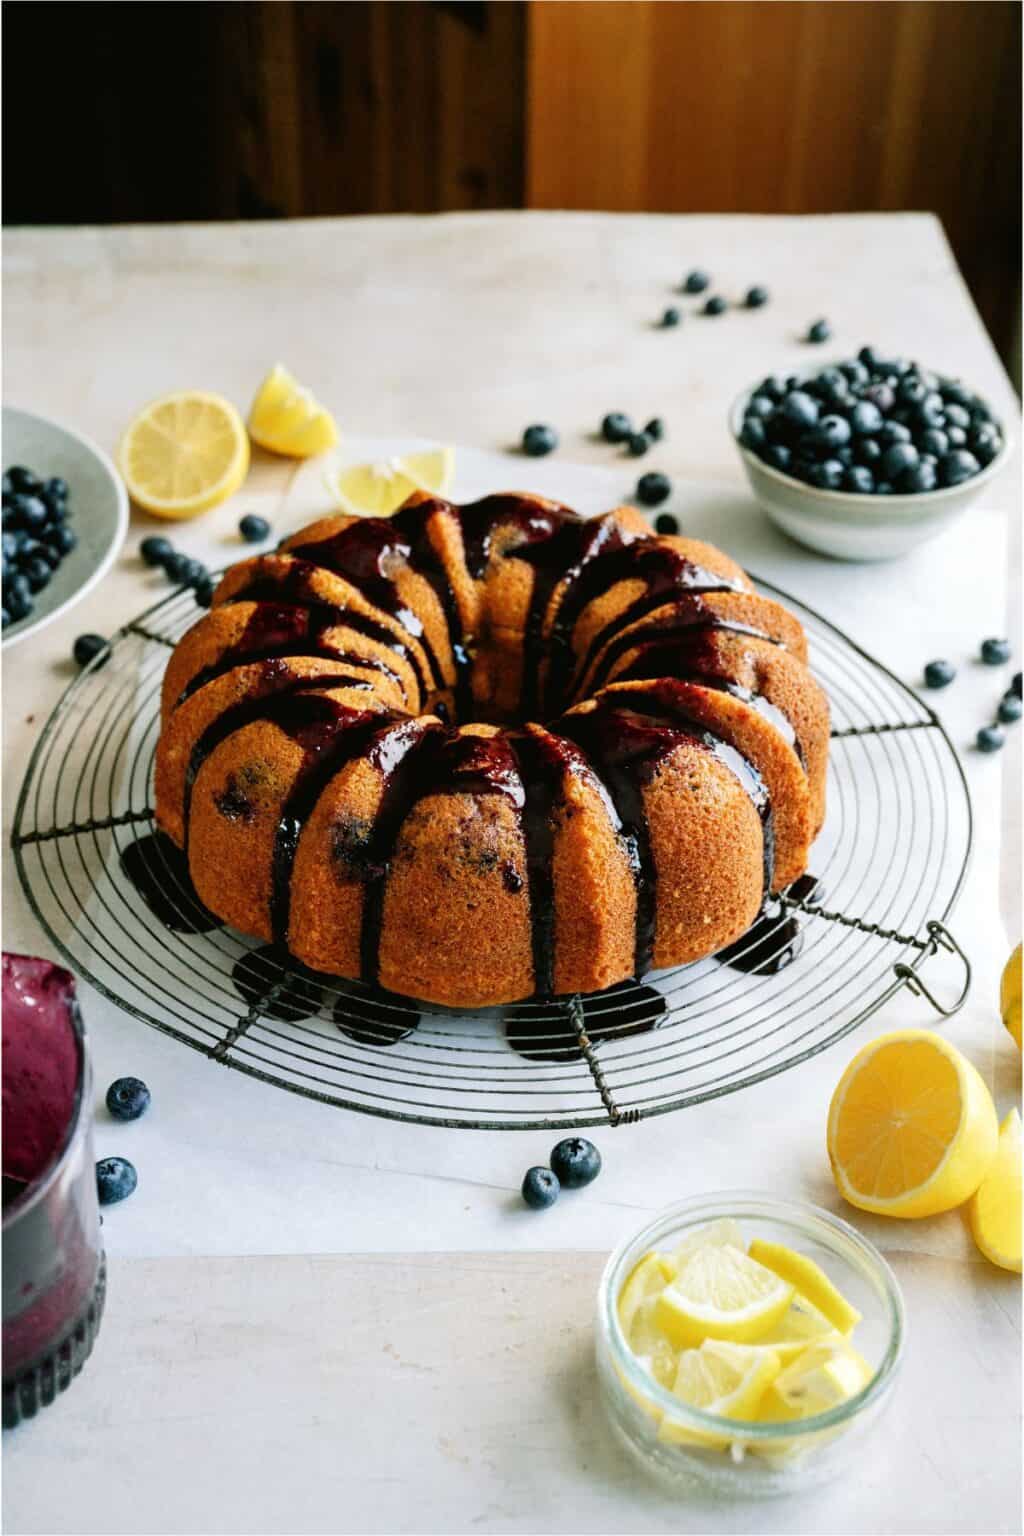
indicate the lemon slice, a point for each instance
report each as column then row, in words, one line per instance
column 1010, row 993
column 654, row 1351
column 723, row 1230
column 184, row 454
column 727, row 1380
column 800, row 1325
column 911, row 1128
column 287, row 419
column 721, row 1293
column 994, row 1211
column 647, row 1279
column 810, row 1280
column 824, row 1375
column 377, row 490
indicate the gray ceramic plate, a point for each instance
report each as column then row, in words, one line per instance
column 99, row 509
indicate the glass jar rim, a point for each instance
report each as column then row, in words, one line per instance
column 832, row 1231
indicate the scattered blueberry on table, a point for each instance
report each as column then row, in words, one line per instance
column 539, row 440
column 616, row 427
column 696, row 281
column 116, row 1179
column 716, row 305
column 128, row 1098
column 254, row 530
column 176, row 565
column 818, row 332
column 36, row 537
column 670, row 318
column 756, row 297
column 540, row 1188
column 155, row 549
column 638, row 444
column 895, row 419
column 1010, row 708
column 1015, row 686
column 995, row 652
column 575, row 1162
column 653, row 489
column 87, row 647
column 990, row 739
column 655, row 429
column 666, row 522
column 939, row 674
column 204, row 589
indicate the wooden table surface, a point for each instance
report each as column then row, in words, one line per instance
column 452, row 1391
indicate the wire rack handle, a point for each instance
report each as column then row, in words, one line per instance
column 939, row 937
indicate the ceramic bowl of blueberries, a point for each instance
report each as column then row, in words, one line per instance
column 869, row 457
column 65, row 516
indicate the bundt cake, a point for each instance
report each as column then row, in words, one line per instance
column 482, row 753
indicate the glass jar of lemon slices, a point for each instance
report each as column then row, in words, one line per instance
column 747, row 1343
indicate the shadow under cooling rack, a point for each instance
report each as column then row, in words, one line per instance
column 888, row 868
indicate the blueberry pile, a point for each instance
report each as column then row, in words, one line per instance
column 618, row 429
column 36, row 537
column 183, row 571
column 575, row 1162
column 993, row 652
column 872, row 425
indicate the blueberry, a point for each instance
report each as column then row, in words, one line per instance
column 11, row 544
column 1010, row 708
column 896, row 459
column 29, row 512
column 716, row 305
column 778, row 456
column 893, row 432
column 939, row 674
column 753, row 434
column 63, row 539
column 930, row 412
column 128, row 1098
column 87, row 647
column 116, row 1179
column 1015, row 686
column 638, row 444
column 855, row 373
column 990, row 739
column 540, row 1188
column 18, row 603
column 985, row 443
column 254, row 530
column 539, row 440
column 176, row 565
column 155, row 550
column 6, row 618
column 934, row 440
column 759, row 405
column 883, row 488
column 866, row 419
column 919, row 477
column 193, row 571
column 844, row 455
column 952, row 389
column 869, row 357
column 653, row 489
column 774, row 388
column 911, row 390
column 616, row 427
column 666, row 522
column 655, row 429
column 575, row 1162
column 696, row 281
column 833, row 432
column 828, row 476
column 820, row 331
column 831, row 386
column 880, row 395
column 670, row 318
column 958, row 466
column 957, row 437
column 860, row 479
column 204, row 589
column 957, row 415
column 38, row 572
column 756, row 296
column 18, row 478
column 801, row 408
column 995, row 653
column 867, row 450
column 56, row 489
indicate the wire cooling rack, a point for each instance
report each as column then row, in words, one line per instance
column 889, row 865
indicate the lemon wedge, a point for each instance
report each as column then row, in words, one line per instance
column 727, row 1380
column 823, row 1376
column 1010, row 994
column 723, row 1230
column 721, row 1293
column 646, row 1279
column 994, row 1211
column 651, row 1347
column 287, row 419
column 184, row 454
column 801, row 1324
column 911, row 1128
column 810, row 1281
column 377, row 490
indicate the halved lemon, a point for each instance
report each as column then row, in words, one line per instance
column 377, row 490
column 911, row 1128
column 288, row 419
column 1010, row 994
column 810, row 1280
column 727, row 1380
column 184, row 454
column 721, row 1293
column 994, row 1211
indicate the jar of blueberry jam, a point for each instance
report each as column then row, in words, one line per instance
column 53, row 1267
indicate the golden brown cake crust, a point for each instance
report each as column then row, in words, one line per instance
column 352, row 758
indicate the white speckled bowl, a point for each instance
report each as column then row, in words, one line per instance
column 99, row 509
column 852, row 526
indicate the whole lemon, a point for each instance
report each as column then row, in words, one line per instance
column 1009, row 994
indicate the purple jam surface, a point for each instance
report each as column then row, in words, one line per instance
column 39, row 1069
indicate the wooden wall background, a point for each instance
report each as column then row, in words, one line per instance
column 270, row 109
